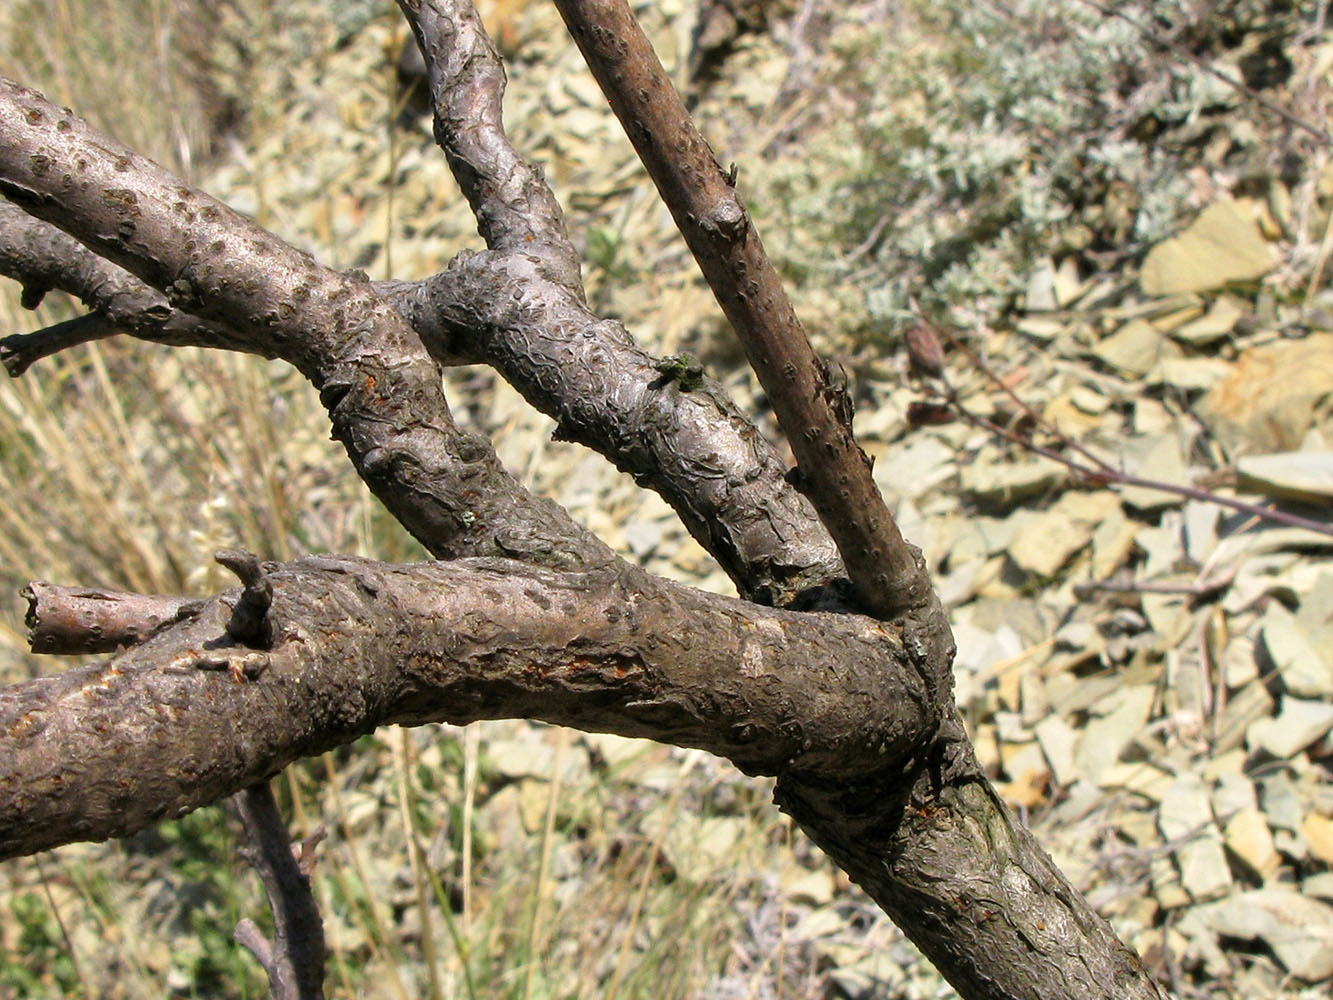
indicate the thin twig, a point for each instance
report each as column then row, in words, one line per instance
column 1115, row 476
column 1199, row 587
column 1239, row 86
column 294, row 959
column 1100, row 470
column 18, row 352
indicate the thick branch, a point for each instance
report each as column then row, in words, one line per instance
column 831, row 704
column 688, row 442
column 813, row 408
column 521, row 307
column 382, row 390
column 968, row 884
column 193, row 714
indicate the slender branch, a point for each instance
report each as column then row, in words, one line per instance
column 1154, row 38
column 1202, row 586
column 41, row 258
column 515, row 208
column 812, row 407
column 294, row 959
column 20, row 351
column 1099, row 470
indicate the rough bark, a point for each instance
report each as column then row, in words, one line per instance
column 810, row 398
column 521, row 307
column 381, row 388
column 530, row 617
column 194, row 714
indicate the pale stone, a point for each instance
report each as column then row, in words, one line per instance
column 1296, row 726
column 1058, row 740
column 1248, row 837
column 1223, row 244
column 1299, row 930
column 1246, row 413
column 1305, row 476
column 1306, row 672
column 1318, row 832
column 1135, row 348
column 1203, row 866
column 1105, row 738
column 1213, row 325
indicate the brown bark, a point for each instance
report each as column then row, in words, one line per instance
column 294, row 959
column 811, row 401
column 194, row 714
column 530, row 616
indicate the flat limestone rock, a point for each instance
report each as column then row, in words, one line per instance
column 1298, row 929
column 1223, row 244
column 1288, row 475
column 1246, row 413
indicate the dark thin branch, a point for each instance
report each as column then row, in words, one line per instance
column 18, row 352
column 42, row 258
column 1098, row 469
column 813, row 408
column 1155, row 38
column 1206, row 584
column 294, row 959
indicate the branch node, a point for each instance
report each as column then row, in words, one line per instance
column 249, row 618
column 32, row 294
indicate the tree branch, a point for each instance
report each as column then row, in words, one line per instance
column 379, row 385
column 294, row 959
column 74, row 620
column 194, row 714
column 41, row 258
column 812, row 406
column 852, row 715
column 521, row 308
column 514, row 207
column 20, row 351
column 969, row 885
column 690, row 444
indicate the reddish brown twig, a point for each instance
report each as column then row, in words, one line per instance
column 812, row 406
column 1098, row 470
